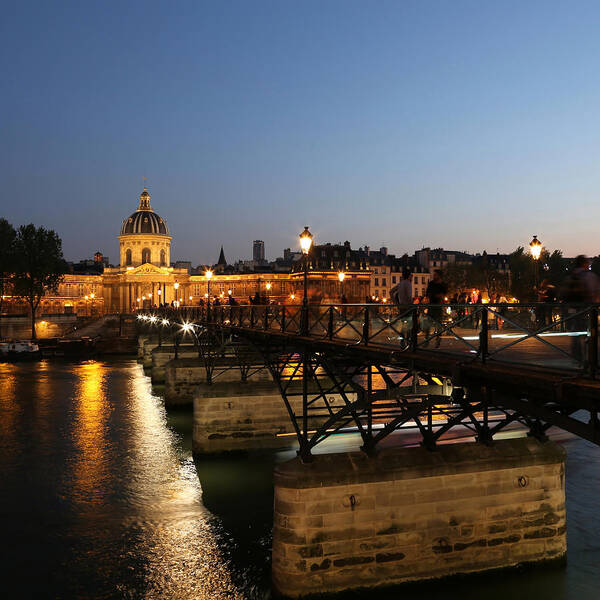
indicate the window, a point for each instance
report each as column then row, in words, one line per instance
column 128, row 257
column 163, row 258
column 383, row 283
column 376, row 280
column 393, row 279
column 146, row 255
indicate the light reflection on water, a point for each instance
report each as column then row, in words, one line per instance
column 100, row 498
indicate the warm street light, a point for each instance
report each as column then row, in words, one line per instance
column 536, row 247
column 306, row 239
column 536, row 250
column 268, row 286
column 341, row 277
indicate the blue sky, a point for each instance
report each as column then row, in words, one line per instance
column 467, row 125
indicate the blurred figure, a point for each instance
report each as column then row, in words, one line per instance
column 582, row 286
column 436, row 292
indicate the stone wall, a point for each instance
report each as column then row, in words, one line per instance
column 348, row 521
column 237, row 416
column 184, row 375
column 161, row 355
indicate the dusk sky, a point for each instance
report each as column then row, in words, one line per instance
column 466, row 125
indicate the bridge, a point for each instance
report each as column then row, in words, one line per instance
column 376, row 370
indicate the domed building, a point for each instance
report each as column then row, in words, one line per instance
column 144, row 276
column 145, row 237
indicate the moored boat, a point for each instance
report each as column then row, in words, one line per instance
column 19, row 350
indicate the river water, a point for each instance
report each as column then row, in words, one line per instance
column 100, row 497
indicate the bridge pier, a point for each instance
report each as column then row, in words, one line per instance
column 162, row 355
column 349, row 521
column 183, row 376
column 142, row 340
column 231, row 416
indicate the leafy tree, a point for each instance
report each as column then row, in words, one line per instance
column 522, row 271
column 456, row 277
column 484, row 276
column 7, row 261
column 40, row 265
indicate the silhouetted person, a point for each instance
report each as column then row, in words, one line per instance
column 436, row 292
column 582, row 287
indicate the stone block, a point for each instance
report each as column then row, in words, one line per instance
column 409, row 515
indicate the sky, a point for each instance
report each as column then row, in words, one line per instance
column 466, row 125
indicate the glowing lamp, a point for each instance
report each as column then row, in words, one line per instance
column 536, row 247
column 306, row 239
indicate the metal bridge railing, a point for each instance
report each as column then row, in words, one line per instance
column 558, row 336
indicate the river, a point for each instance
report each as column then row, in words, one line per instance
column 100, row 497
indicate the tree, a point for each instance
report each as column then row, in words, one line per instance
column 483, row 275
column 7, row 261
column 40, row 265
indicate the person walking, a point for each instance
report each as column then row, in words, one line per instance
column 403, row 297
column 435, row 293
column 582, row 287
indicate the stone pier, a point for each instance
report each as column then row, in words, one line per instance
column 162, row 355
column 232, row 416
column 142, row 340
column 348, row 521
column 183, row 376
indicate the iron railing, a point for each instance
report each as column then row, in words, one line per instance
column 558, row 336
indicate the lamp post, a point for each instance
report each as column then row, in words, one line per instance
column 536, row 250
column 159, row 292
column 92, row 296
column 87, row 306
column 268, row 286
column 208, row 274
column 176, row 287
column 306, row 239
column 341, row 277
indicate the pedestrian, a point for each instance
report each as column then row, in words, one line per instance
column 582, row 287
column 435, row 293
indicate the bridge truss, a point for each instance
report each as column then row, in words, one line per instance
column 374, row 369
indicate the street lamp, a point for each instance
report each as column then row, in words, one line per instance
column 536, row 247
column 268, row 286
column 536, row 250
column 341, row 277
column 176, row 287
column 306, row 239
column 208, row 274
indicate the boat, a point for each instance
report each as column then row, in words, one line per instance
column 19, row 350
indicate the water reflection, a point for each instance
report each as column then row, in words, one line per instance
column 95, row 492
column 100, row 498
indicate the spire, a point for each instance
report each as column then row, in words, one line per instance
column 222, row 260
column 145, row 200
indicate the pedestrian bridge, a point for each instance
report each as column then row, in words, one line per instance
column 401, row 511
column 535, row 364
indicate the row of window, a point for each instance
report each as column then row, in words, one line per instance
column 146, row 257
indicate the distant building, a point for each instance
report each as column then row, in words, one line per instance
column 258, row 251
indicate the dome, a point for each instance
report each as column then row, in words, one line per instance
column 144, row 219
